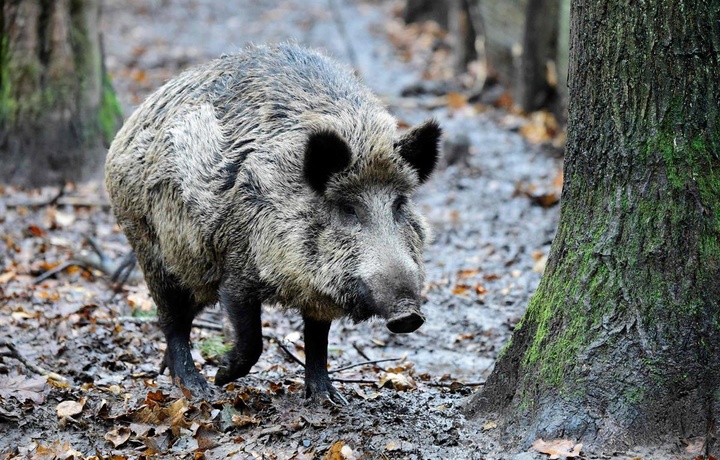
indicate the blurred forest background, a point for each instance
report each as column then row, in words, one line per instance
column 614, row 354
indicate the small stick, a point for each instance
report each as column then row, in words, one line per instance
column 373, row 361
column 213, row 326
column 83, row 202
column 153, row 319
column 450, row 384
column 40, row 204
column 60, row 268
column 60, row 193
column 360, row 351
column 33, row 367
column 372, row 382
column 288, row 352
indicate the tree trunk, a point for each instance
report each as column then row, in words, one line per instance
column 536, row 81
column 521, row 49
column 621, row 342
column 58, row 112
column 455, row 17
column 427, row 10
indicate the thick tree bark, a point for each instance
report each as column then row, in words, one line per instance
column 58, row 112
column 621, row 342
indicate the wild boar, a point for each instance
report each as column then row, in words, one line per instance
column 272, row 175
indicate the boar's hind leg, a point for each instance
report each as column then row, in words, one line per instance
column 317, row 381
column 244, row 313
column 176, row 310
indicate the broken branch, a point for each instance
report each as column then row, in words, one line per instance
column 14, row 353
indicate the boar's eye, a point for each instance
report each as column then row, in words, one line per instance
column 348, row 212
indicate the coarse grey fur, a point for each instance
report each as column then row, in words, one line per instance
column 271, row 175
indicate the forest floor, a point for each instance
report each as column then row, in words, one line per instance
column 492, row 206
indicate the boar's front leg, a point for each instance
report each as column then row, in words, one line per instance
column 176, row 310
column 244, row 312
column 317, row 381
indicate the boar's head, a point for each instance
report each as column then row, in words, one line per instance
column 369, row 240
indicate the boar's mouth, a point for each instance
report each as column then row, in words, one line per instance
column 362, row 305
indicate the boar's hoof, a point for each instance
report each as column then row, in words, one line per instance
column 405, row 322
column 184, row 373
column 324, row 393
column 231, row 373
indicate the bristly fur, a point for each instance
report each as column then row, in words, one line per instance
column 271, row 175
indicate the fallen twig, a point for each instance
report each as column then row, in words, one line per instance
column 372, row 382
column 83, row 202
column 372, row 361
column 153, row 319
column 450, row 384
column 39, row 204
column 287, row 351
column 14, row 353
column 64, row 266
column 360, row 351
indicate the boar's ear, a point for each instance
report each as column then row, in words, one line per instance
column 420, row 147
column 326, row 154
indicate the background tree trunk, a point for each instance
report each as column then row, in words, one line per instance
column 536, row 79
column 621, row 342
column 521, row 47
column 58, row 112
column 455, row 17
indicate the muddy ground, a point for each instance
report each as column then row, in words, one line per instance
column 492, row 207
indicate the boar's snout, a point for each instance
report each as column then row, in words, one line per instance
column 405, row 321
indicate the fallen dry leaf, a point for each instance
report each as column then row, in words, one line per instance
column 58, row 449
column 541, row 127
column 35, row 230
column 118, row 436
column 490, row 425
column 363, row 395
column 539, row 265
column 559, row 448
column 69, row 408
column 467, row 273
column 399, row 382
column 7, row 276
column 465, row 289
column 23, row 389
column 63, row 219
column 461, row 289
column 176, row 415
column 339, row 451
column 241, row 420
column 456, row 100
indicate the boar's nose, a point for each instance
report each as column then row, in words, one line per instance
column 405, row 316
column 405, row 322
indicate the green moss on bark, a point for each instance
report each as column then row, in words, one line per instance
column 7, row 103
column 110, row 114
